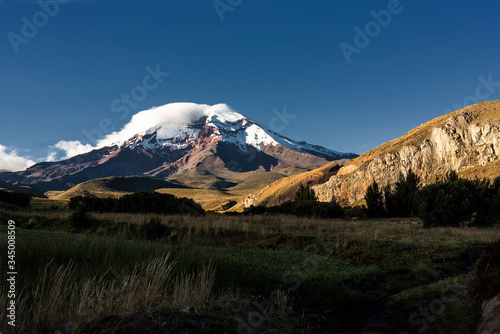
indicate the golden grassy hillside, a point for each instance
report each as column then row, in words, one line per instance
column 209, row 199
column 285, row 188
column 210, row 190
column 111, row 187
column 489, row 171
column 213, row 191
column 481, row 112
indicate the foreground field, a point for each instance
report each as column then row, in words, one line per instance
column 218, row 274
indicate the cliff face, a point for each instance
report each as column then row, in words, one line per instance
column 465, row 139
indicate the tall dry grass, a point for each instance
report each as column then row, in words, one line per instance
column 61, row 298
column 408, row 230
column 390, row 229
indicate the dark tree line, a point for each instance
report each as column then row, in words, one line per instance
column 397, row 201
column 304, row 204
column 449, row 202
column 17, row 198
column 140, row 202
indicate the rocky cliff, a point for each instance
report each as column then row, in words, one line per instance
column 465, row 140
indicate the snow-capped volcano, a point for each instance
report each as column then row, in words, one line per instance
column 180, row 137
column 176, row 132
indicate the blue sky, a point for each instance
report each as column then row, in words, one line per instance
column 427, row 60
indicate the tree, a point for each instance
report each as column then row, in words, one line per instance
column 304, row 194
column 18, row 198
column 390, row 200
column 458, row 202
column 495, row 200
column 451, row 176
column 402, row 200
column 374, row 201
column 140, row 202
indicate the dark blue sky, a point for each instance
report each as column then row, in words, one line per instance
column 264, row 55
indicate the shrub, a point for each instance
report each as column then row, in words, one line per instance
column 17, row 198
column 457, row 203
column 486, row 282
column 357, row 211
column 327, row 210
column 81, row 218
column 140, row 202
column 153, row 229
column 303, row 208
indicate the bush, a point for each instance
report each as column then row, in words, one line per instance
column 17, row 198
column 303, row 208
column 140, row 202
column 327, row 210
column 458, row 203
column 486, row 282
column 357, row 211
column 153, row 229
column 81, row 218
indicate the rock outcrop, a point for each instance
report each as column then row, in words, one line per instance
column 462, row 140
column 490, row 322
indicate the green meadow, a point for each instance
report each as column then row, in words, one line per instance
column 243, row 274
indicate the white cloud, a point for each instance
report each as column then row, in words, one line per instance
column 52, row 156
column 10, row 161
column 70, row 149
column 170, row 117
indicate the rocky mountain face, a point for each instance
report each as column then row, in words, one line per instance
column 175, row 138
column 465, row 140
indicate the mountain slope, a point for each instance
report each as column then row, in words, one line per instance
column 13, row 187
column 178, row 138
column 114, row 187
column 284, row 190
column 219, row 191
column 467, row 141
